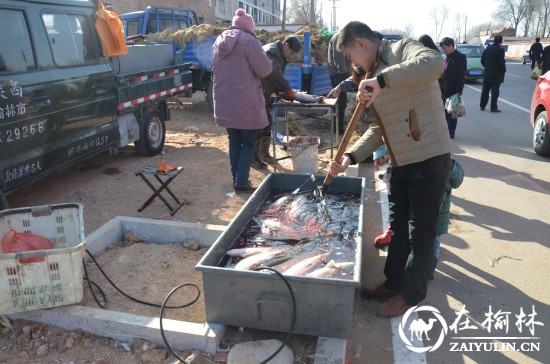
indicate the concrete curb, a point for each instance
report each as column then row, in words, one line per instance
column 125, row 327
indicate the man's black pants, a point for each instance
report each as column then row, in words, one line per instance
column 415, row 192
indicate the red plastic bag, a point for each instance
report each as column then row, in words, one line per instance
column 110, row 31
column 14, row 242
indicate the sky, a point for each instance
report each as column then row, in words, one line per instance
column 383, row 14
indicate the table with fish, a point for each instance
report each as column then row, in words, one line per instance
column 310, row 107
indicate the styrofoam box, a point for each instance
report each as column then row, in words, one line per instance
column 57, row 279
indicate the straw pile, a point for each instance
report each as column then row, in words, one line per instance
column 319, row 42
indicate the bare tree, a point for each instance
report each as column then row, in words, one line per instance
column 392, row 31
column 529, row 15
column 409, row 30
column 300, row 11
column 457, row 30
column 512, row 11
column 543, row 10
column 439, row 16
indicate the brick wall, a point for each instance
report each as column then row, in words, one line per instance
column 201, row 7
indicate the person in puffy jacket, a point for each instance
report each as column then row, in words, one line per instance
column 402, row 90
column 239, row 64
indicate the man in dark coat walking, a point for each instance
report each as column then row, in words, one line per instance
column 452, row 81
column 495, row 68
column 535, row 52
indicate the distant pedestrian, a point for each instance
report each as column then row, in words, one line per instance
column 454, row 76
column 339, row 69
column 535, row 53
column 239, row 63
column 495, row 68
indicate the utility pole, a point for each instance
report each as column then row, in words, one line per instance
column 312, row 12
column 284, row 16
column 465, row 22
column 333, row 15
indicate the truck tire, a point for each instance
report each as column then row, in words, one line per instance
column 541, row 135
column 152, row 132
column 3, row 202
column 210, row 95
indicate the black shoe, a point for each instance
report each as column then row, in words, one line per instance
column 246, row 188
column 495, row 110
column 258, row 164
column 482, row 108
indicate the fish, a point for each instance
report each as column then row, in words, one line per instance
column 306, row 265
column 255, row 260
column 245, row 252
column 331, row 270
column 305, row 98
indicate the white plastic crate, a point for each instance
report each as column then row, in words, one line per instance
column 58, row 279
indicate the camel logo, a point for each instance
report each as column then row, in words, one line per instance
column 419, row 329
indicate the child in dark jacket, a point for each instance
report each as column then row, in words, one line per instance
column 455, row 180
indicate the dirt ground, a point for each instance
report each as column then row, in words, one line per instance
column 107, row 186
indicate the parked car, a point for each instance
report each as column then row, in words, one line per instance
column 540, row 106
column 525, row 58
column 474, row 68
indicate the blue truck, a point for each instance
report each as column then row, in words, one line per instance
column 306, row 76
column 198, row 52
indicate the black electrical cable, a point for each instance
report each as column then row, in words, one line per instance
column 293, row 321
column 163, row 306
column 92, row 283
column 123, row 293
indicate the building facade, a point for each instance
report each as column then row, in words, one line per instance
column 212, row 11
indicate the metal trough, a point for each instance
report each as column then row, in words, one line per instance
column 261, row 299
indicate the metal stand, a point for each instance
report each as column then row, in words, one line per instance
column 329, row 104
column 152, row 170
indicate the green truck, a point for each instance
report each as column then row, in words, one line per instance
column 62, row 101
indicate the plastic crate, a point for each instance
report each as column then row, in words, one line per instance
column 58, row 279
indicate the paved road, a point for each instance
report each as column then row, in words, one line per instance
column 495, row 261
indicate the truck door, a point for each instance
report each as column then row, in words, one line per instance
column 26, row 138
column 57, row 95
column 82, row 89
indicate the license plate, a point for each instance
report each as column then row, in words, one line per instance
column 476, row 72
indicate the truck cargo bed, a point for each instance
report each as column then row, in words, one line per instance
column 135, row 88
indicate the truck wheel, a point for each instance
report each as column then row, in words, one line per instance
column 210, row 96
column 541, row 135
column 3, row 202
column 152, row 132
